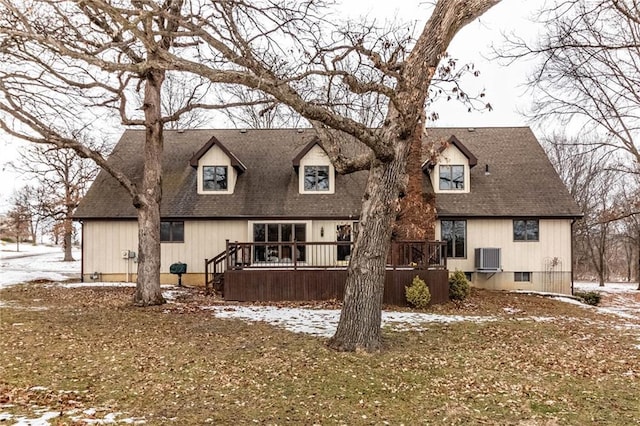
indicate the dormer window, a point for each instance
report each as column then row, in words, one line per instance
column 316, row 174
column 451, row 177
column 450, row 168
column 217, row 168
column 316, row 178
column 214, row 178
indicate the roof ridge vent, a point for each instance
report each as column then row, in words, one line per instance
column 471, row 129
column 180, row 130
column 243, row 130
column 300, row 130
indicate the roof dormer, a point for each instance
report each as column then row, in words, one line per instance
column 316, row 174
column 218, row 168
column 450, row 173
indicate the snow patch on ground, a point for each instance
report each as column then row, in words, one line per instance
column 45, row 416
column 569, row 300
column 323, row 322
column 45, row 263
column 90, row 416
column 608, row 287
column 35, row 263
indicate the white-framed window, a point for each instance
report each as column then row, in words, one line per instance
column 215, row 178
column 278, row 233
column 451, row 177
column 316, row 178
column 522, row 276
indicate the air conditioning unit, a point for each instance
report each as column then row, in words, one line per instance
column 488, row 259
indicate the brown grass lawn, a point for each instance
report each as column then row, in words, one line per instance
column 69, row 350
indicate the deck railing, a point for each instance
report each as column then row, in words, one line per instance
column 327, row 255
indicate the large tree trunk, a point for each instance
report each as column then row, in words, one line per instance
column 360, row 320
column 148, row 203
column 67, row 240
column 69, row 206
column 417, row 215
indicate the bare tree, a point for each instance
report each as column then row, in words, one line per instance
column 629, row 213
column 62, row 179
column 26, row 202
column 20, row 216
column 281, row 48
column 179, row 91
column 592, row 181
column 587, row 77
column 65, row 62
column 588, row 72
column 240, row 48
column 257, row 111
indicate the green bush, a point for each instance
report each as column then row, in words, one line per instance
column 588, row 297
column 418, row 294
column 459, row 287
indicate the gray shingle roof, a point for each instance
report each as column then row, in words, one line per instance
column 522, row 181
column 268, row 187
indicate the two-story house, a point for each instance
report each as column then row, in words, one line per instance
column 502, row 211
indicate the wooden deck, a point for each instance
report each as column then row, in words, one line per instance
column 250, row 285
column 300, row 271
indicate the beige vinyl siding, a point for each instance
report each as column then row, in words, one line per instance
column 216, row 157
column 104, row 241
column 316, row 157
column 323, row 254
column 549, row 259
column 202, row 240
column 451, row 156
column 551, row 282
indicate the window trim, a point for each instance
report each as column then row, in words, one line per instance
column 451, row 183
column 526, row 222
column 215, row 174
column 453, row 256
column 265, row 243
column 315, row 188
column 522, row 277
column 171, row 227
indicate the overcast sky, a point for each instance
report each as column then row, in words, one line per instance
column 502, row 84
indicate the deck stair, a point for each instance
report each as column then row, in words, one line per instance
column 214, row 269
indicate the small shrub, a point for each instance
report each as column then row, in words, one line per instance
column 589, row 297
column 459, row 287
column 418, row 294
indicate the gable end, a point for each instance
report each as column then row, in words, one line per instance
column 305, row 150
column 235, row 161
column 473, row 161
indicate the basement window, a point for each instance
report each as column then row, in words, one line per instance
column 522, row 276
